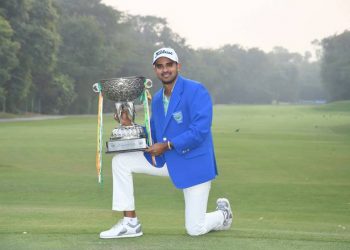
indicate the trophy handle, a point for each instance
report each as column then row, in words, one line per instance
column 148, row 83
column 146, row 98
column 96, row 87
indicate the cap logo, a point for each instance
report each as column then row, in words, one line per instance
column 163, row 52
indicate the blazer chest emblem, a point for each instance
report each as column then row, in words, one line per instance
column 178, row 117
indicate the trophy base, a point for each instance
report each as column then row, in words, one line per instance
column 126, row 145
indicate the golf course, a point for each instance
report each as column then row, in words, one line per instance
column 284, row 168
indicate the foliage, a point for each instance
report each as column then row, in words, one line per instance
column 336, row 66
column 77, row 43
column 17, row 85
column 8, row 50
column 34, row 25
column 237, row 75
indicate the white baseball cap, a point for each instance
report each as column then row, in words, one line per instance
column 165, row 52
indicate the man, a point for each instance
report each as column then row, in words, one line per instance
column 181, row 130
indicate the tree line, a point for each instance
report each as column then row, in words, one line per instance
column 52, row 51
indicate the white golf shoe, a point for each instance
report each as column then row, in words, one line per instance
column 122, row 230
column 224, row 205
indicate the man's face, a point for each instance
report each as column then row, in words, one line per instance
column 166, row 70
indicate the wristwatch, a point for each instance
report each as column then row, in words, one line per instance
column 170, row 145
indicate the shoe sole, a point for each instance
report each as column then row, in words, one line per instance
column 122, row 236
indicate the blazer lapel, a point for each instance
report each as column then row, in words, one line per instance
column 158, row 113
column 174, row 101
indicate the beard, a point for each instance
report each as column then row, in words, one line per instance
column 171, row 80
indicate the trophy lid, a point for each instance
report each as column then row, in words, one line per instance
column 123, row 89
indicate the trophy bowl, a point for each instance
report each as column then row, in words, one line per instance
column 123, row 89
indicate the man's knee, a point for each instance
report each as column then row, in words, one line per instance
column 195, row 230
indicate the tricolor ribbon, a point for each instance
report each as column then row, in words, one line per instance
column 145, row 98
column 98, row 88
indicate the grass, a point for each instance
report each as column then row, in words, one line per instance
column 286, row 170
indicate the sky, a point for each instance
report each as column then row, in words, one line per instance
column 264, row 24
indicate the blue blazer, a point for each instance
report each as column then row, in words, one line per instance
column 187, row 125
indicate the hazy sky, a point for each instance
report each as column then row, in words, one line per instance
column 292, row 24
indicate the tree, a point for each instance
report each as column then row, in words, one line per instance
column 42, row 51
column 284, row 76
column 310, row 84
column 92, row 47
column 34, row 24
column 336, row 66
column 80, row 57
column 8, row 51
column 17, row 87
column 59, row 94
column 52, row 51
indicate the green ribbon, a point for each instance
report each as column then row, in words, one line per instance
column 100, row 132
column 144, row 100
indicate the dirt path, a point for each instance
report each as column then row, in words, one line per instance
column 34, row 118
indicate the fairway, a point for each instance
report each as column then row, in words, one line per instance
column 285, row 169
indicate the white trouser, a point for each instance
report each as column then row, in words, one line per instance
column 198, row 221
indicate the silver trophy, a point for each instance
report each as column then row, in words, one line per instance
column 123, row 91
